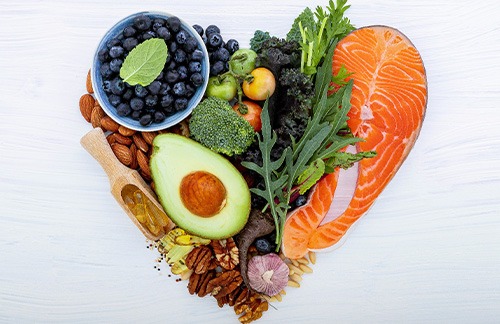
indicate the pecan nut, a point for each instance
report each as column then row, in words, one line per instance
column 226, row 253
column 199, row 259
column 225, row 283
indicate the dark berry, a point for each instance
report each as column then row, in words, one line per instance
column 180, row 104
column 194, row 67
column 232, row 46
column 114, row 99
column 145, row 119
column 136, row 104
column 115, row 64
column 172, row 76
column 106, row 86
column 158, row 23
column 214, row 40
column 179, row 89
column 103, row 55
column 164, row 33
column 129, row 31
column 105, row 70
column 142, row 22
column 174, row 23
column 148, row 35
column 262, row 245
column 217, row 68
column 173, row 47
column 116, row 51
column 154, row 87
column 123, row 109
column 130, row 43
column 159, row 116
column 189, row 91
column 190, row 45
column 198, row 29
column 212, row 29
column 197, row 55
column 172, row 65
column 164, row 89
column 140, row 91
column 136, row 114
column 113, row 42
column 160, row 76
column 117, row 86
column 196, row 79
column 151, row 100
column 183, row 72
column 128, row 94
column 205, row 40
column 166, row 101
column 301, row 200
column 221, row 54
column 180, row 56
column 181, row 37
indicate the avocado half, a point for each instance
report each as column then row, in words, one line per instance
column 176, row 158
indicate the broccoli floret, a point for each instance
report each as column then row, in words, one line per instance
column 216, row 125
column 258, row 38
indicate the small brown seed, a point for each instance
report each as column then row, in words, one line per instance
column 122, row 153
column 127, row 141
column 143, row 161
column 86, row 106
column 133, row 153
column 109, row 124
column 149, row 137
column 96, row 116
column 89, row 84
column 140, row 142
column 126, row 131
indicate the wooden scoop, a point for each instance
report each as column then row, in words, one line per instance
column 129, row 188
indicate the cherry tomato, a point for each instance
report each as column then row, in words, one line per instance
column 262, row 85
column 252, row 115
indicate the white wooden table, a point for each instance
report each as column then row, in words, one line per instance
column 428, row 251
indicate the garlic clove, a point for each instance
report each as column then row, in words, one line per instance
column 267, row 274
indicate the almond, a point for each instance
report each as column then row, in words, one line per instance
column 133, row 153
column 111, row 138
column 86, row 106
column 143, row 161
column 144, row 175
column 140, row 142
column 96, row 116
column 126, row 131
column 89, row 84
column 123, row 139
column 149, row 137
column 109, row 124
column 122, row 153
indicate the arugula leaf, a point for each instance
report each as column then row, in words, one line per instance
column 345, row 160
column 145, row 62
column 311, row 175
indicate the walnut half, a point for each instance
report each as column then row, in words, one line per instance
column 226, row 253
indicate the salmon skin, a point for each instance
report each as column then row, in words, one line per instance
column 389, row 100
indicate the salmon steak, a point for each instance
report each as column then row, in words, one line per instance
column 388, row 103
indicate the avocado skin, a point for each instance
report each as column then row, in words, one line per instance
column 175, row 156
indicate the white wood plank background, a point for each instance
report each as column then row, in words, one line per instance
column 428, row 251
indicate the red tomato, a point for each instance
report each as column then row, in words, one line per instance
column 252, row 115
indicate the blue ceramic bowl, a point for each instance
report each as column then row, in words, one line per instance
column 102, row 97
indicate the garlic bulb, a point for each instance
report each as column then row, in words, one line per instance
column 268, row 274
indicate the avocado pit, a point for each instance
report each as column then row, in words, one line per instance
column 202, row 193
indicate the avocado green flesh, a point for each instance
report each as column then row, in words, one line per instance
column 173, row 158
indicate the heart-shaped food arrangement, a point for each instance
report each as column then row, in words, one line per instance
column 243, row 147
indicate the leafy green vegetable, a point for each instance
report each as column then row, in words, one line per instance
column 258, row 38
column 306, row 19
column 145, row 62
column 311, row 175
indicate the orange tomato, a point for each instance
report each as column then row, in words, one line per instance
column 262, row 85
column 253, row 114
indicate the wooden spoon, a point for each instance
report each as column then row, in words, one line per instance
column 127, row 186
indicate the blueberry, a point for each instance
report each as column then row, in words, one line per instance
column 232, row 46
column 191, row 44
column 180, row 56
column 160, row 76
column 179, row 89
column 115, row 65
column 181, row 37
column 166, row 101
column 300, row 201
column 197, row 55
column 172, row 65
column 117, row 86
column 164, row 89
column 140, row 91
column 159, row 116
column 183, row 72
column 212, row 29
column 221, row 54
column 180, row 104
column 136, row 114
column 145, row 119
column 217, row 68
column 114, row 99
column 148, row 35
column 263, row 245
column 196, row 79
column 128, row 94
column 129, row 31
column 194, row 67
column 173, row 47
column 136, row 104
column 151, row 100
column 105, row 70
column 113, row 42
column 123, row 109
column 106, row 86
column 130, row 43
column 172, row 76
column 198, row 29
column 174, row 23
column 103, row 55
column 116, row 51
column 142, row 22
column 158, row 23
column 214, row 40
column 154, row 87
column 189, row 91
column 164, row 33
column 205, row 40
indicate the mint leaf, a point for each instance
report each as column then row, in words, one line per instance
column 145, row 62
column 311, row 175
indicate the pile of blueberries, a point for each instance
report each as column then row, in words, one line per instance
column 174, row 86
